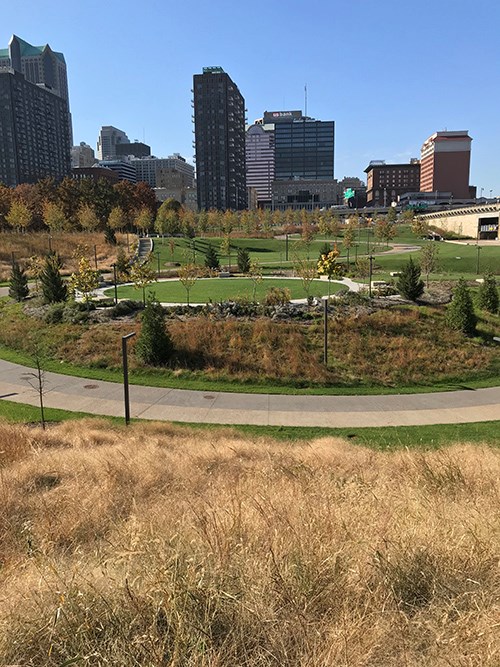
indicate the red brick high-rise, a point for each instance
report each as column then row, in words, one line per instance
column 445, row 163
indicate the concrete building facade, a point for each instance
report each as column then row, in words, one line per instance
column 445, row 163
column 133, row 149
column 109, row 138
column 149, row 169
column 219, row 125
column 82, row 156
column 259, row 150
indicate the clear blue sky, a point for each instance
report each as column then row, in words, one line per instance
column 390, row 73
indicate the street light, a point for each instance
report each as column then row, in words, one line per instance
column 115, row 283
column 126, row 395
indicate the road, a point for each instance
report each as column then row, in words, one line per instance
column 106, row 398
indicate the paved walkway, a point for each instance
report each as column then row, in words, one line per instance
column 106, row 398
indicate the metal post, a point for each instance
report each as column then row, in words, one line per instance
column 115, row 280
column 370, row 277
column 478, row 247
column 125, row 376
column 95, row 256
column 325, row 331
column 348, row 259
column 286, row 247
column 158, row 258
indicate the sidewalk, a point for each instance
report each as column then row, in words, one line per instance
column 106, row 398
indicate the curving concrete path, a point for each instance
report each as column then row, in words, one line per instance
column 106, row 398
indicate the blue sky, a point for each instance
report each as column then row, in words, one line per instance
column 389, row 73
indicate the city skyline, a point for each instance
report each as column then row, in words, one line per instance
column 390, row 77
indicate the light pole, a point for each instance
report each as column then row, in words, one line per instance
column 370, row 277
column 115, row 283
column 158, row 258
column 126, row 395
column 325, row 331
column 478, row 248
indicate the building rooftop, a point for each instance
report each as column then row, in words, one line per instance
column 28, row 49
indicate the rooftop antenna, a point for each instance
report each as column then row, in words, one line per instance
column 305, row 100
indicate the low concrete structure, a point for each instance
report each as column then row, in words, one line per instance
column 477, row 222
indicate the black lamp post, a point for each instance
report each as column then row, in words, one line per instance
column 126, row 395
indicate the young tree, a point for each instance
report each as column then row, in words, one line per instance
column 419, row 226
column 409, row 284
column 168, row 218
column 460, row 314
column 225, row 249
column 188, row 275
column 488, row 294
column 154, row 345
column 307, row 272
column 123, row 266
column 348, row 240
column 384, row 230
column 54, row 289
column 35, row 267
column 243, row 260
column 429, row 260
column 18, row 286
column 142, row 275
column 391, row 214
column 255, row 274
column 87, row 218
column 117, row 218
column 143, row 220
column 211, row 259
column 53, row 216
column 85, row 279
column 328, row 266
column 19, row 216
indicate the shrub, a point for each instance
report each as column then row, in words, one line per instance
column 211, row 259
column 243, row 260
column 488, row 294
column 18, row 287
column 54, row 314
column 409, row 284
column 53, row 288
column 277, row 296
column 125, row 307
column 154, row 345
column 460, row 314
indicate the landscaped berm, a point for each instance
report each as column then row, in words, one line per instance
column 166, row 546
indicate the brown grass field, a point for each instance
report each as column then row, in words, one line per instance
column 159, row 546
column 32, row 244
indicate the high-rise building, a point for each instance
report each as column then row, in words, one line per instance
column 82, row 156
column 385, row 183
column 260, row 160
column 41, row 66
column 109, row 138
column 149, row 169
column 445, row 163
column 304, row 147
column 134, row 149
column 34, row 131
column 35, row 121
column 219, row 123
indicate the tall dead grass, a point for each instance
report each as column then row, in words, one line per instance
column 65, row 244
column 160, row 546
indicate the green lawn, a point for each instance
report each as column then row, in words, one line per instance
column 390, row 437
column 223, row 289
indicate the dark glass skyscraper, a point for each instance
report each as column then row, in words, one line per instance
column 304, row 149
column 219, row 124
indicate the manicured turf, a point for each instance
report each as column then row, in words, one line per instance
column 390, row 437
column 223, row 289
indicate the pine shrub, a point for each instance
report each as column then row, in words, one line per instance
column 211, row 259
column 409, row 284
column 154, row 346
column 488, row 294
column 54, row 289
column 460, row 314
column 18, row 287
column 243, row 260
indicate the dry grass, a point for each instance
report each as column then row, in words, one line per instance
column 25, row 246
column 156, row 546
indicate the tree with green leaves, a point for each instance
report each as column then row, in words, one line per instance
column 19, row 216
column 460, row 314
column 243, row 260
column 168, row 218
column 142, row 275
column 117, row 218
column 154, row 345
column 255, row 274
column 18, row 285
column 409, row 284
column 211, row 259
column 429, row 259
column 225, row 250
column 54, row 289
column 384, row 230
column 85, row 279
column 487, row 297
column 53, row 216
column 419, row 226
column 391, row 214
column 143, row 219
column 188, row 275
column 87, row 218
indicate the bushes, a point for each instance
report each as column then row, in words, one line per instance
column 277, row 296
column 243, row 260
column 126, row 307
column 154, row 345
column 53, row 288
column 488, row 294
column 409, row 284
column 460, row 314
